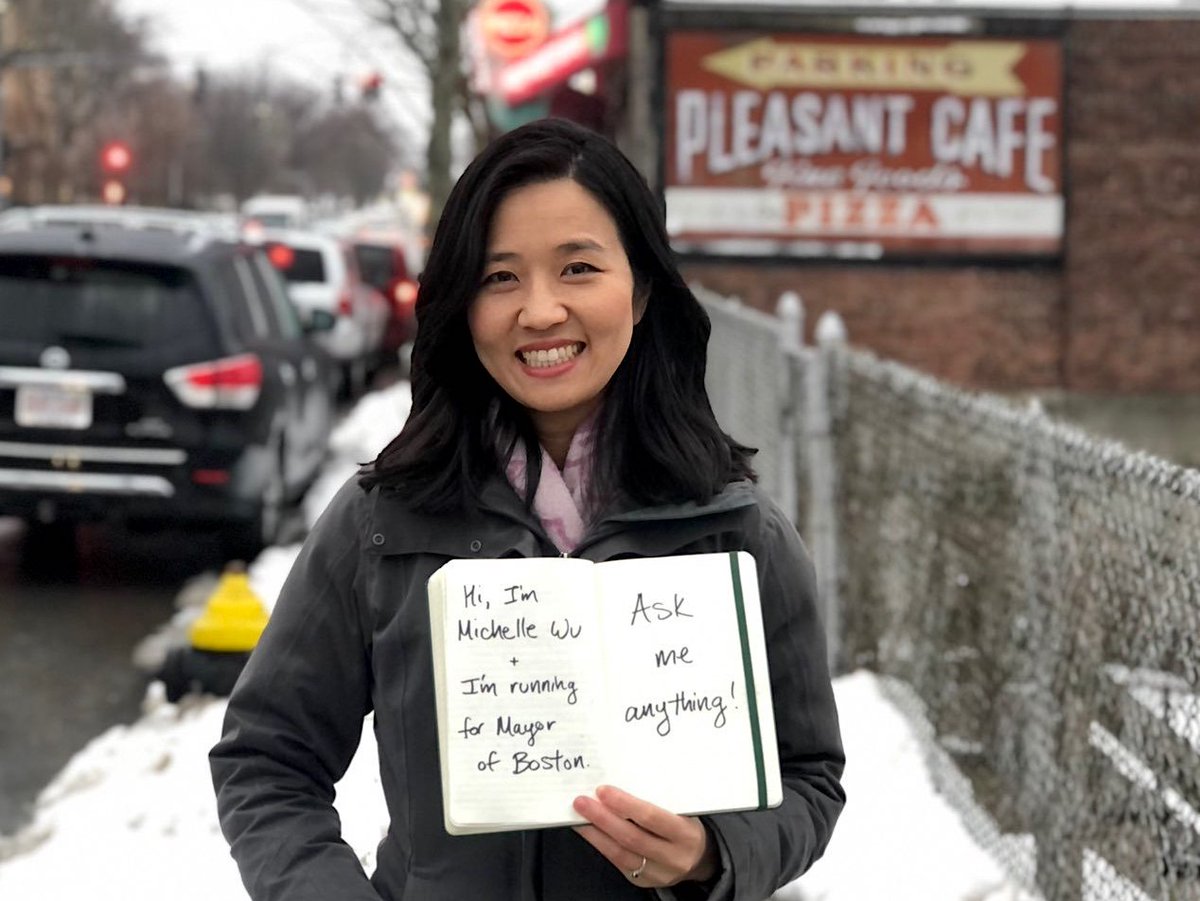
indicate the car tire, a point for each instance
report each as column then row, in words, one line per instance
column 404, row 359
column 50, row 549
column 245, row 540
column 354, row 379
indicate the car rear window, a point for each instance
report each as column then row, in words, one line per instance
column 379, row 264
column 95, row 304
column 274, row 220
column 297, row 264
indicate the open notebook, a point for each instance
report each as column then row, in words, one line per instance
column 554, row 675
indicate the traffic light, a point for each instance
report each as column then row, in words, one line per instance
column 370, row 85
column 113, row 192
column 116, row 160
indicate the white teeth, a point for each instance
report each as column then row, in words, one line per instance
column 552, row 357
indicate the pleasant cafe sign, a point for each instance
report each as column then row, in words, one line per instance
column 813, row 142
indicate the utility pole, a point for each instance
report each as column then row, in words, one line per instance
column 4, row 195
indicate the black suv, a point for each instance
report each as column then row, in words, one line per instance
column 153, row 369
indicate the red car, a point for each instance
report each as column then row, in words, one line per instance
column 383, row 264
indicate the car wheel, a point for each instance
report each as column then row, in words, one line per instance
column 246, row 540
column 50, row 549
column 270, row 514
column 354, row 379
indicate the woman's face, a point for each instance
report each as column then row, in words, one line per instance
column 554, row 314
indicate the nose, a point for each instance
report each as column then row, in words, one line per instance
column 541, row 308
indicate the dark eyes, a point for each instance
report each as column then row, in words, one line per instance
column 576, row 268
column 496, row 277
column 579, row 268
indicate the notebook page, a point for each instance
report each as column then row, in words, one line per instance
column 689, row 705
column 522, row 681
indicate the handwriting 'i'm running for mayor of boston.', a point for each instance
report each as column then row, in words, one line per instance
column 555, row 684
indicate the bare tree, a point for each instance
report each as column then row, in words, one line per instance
column 78, row 77
column 347, row 153
column 242, row 142
column 258, row 133
column 70, row 61
column 431, row 30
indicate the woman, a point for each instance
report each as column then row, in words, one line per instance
column 558, row 407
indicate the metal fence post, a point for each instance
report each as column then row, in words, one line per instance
column 822, row 477
column 790, row 312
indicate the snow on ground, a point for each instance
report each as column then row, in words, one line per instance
column 132, row 816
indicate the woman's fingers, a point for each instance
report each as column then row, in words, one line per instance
column 614, row 852
column 626, row 829
column 650, row 817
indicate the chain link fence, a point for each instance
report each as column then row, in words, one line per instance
column 752, row 386
column 1030, row 594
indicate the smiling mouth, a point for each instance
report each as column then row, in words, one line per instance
column 538, row 359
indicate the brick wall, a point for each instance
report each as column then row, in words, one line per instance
column 1122, row 312
column 980, row 327
column 1133, row 220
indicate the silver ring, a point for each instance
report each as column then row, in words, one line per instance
column 634, row 874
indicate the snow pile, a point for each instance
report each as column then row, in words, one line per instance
column 132, row 817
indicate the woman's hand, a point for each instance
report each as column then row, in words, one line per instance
column 650, row 846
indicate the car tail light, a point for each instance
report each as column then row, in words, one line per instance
column 404, row 294
column 210, row 477
column 281, row 256
column 345, row 306
column 232, row 383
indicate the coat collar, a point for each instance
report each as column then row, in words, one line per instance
column 503, row 527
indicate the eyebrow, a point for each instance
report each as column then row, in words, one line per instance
column 566, row 247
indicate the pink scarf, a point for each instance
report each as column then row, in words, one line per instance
column 560, row 499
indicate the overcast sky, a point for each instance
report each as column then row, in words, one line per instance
column 231, row 33
column 311, row 41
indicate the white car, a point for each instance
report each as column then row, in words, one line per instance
column 322, row 274
column 276, row 211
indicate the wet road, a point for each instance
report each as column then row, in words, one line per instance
column 72, row 609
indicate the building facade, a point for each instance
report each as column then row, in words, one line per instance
column 1028, row 211
column 1003, row 194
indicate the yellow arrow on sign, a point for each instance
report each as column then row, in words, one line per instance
column 975, row 68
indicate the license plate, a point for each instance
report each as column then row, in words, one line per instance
column 53, row 407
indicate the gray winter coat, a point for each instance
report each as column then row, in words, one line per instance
column 350, row 634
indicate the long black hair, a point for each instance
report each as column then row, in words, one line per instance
column 656, row 441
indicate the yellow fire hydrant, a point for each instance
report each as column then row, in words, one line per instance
column 220, row 641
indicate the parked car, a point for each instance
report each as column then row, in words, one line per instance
column 322, row 274
column 276, row 211
column 225, row 225
column 153, row 373
column 383, row 261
